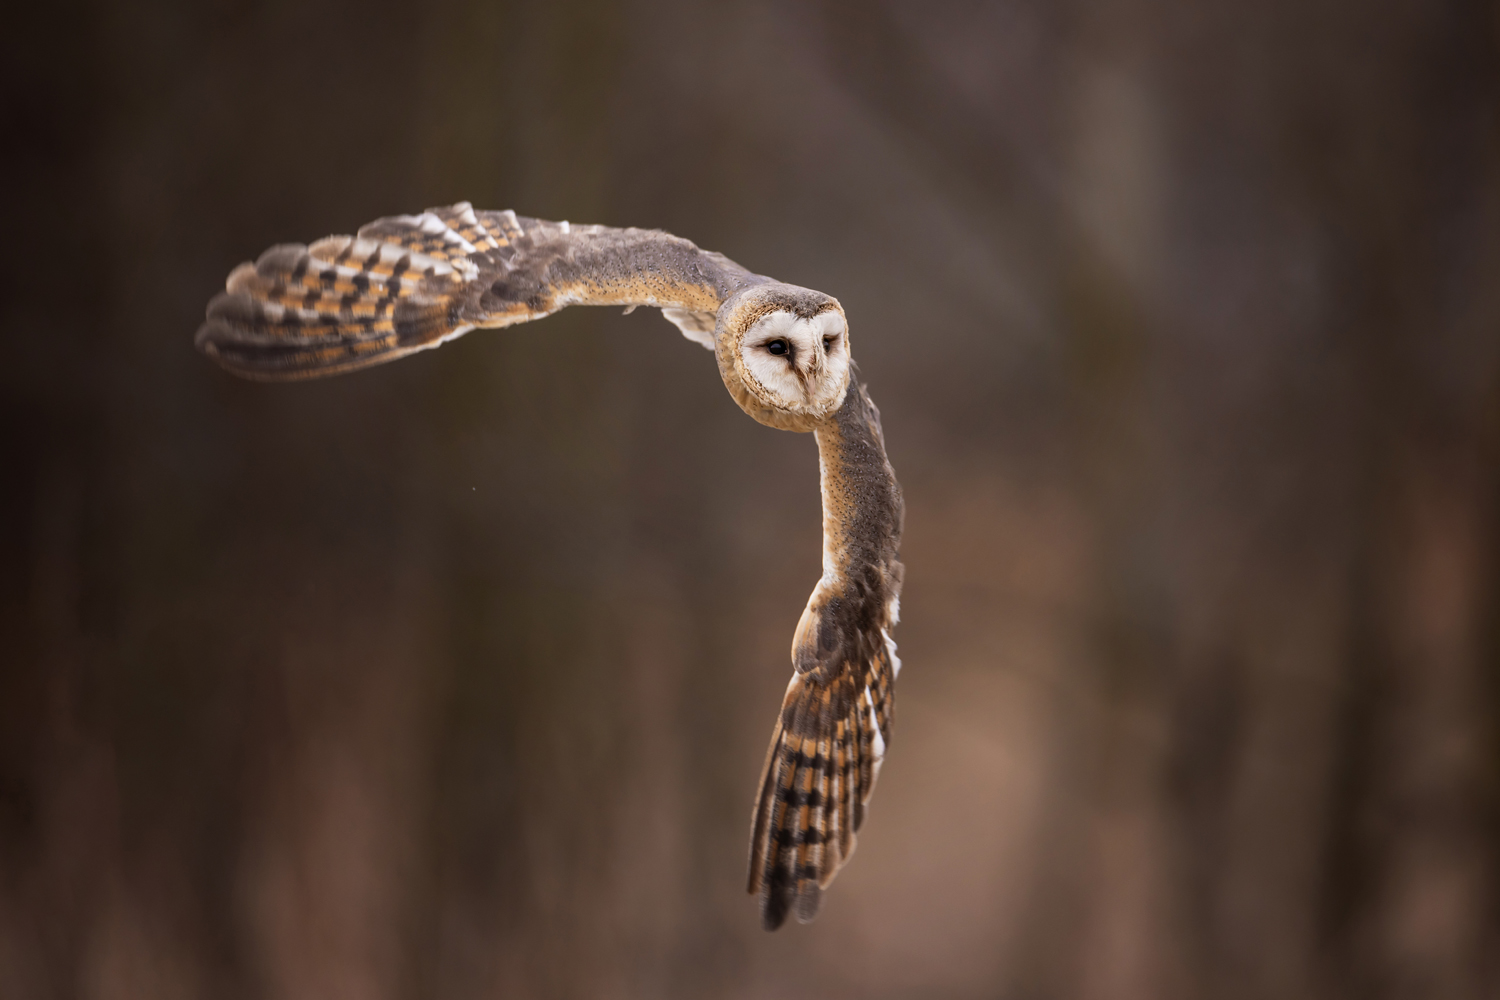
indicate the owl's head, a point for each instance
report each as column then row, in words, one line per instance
column 783, row 352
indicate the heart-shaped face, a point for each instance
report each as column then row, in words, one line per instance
column 784, row 354
column 801, row 365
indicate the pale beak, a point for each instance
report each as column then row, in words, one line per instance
column 819, row 360
column 814, row 372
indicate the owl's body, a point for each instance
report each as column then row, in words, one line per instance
column 407, row 283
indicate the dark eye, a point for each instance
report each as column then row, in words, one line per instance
column 777, row 347
column 828, row 343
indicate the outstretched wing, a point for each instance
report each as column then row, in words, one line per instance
column 835, row 721
column 820, row 769
column 409, row 282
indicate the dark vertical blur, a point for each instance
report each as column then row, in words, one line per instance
column 452, row 678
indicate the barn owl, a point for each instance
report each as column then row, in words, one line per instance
column 409, row 282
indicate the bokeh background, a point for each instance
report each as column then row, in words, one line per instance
column 453, row 678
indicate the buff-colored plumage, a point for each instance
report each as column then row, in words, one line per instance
column 410, row 282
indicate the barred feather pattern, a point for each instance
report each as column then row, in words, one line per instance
column 410, row 282
column 820, row 770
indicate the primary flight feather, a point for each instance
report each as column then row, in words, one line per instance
column 410, row 282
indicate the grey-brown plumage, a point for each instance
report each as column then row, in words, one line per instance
column 407, row 283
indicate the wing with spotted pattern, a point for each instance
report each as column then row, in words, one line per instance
column 409, row 282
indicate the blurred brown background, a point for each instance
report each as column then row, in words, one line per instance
column 453, row 678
